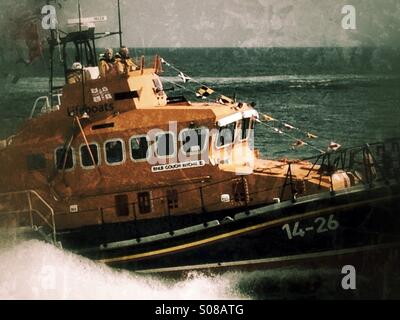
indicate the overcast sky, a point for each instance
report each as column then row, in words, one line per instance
column 246, row 23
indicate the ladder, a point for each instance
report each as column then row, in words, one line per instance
column 28, row 208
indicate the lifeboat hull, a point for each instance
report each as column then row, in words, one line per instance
column 318, row 230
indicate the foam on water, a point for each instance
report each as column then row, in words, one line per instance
column 35, row 270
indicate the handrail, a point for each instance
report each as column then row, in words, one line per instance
column 48, row 104
column 46, row 98
column 31, row 210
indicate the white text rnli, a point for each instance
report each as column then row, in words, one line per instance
column 178, row 166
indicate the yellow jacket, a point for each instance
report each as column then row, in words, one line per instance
column 107, row 68
column 125, row 65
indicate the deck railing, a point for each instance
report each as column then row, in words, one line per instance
column 29, row 208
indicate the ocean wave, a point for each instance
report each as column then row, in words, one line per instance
column 35, row 270
column 293, row 82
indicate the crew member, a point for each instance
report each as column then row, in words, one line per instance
column 75, row 74
column 124, row 62
column 107, row 64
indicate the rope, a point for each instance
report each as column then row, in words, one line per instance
column 269, row 118
column 189, row 78
column 291, row 127
column 288, row 135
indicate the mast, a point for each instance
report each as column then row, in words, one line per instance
column 51, row 47
column 119, row 24
column 80, row 54
column 80, row 30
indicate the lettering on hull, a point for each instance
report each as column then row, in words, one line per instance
column 178, row 166
column 80, row 111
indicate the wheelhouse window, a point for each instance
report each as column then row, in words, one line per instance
column 226, row 135
column 245, row 130
column 86, row 157
column 139, row 148
column 64, row 158
column 193, row 140
column 165, row 145
column 114, row 152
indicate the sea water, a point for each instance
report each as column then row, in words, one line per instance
column 347, row 95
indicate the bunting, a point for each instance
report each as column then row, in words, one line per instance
column 311, row 136
column 333, row 146
column 164, row 62
column 298, row 143
column 268, row 118
column 225, row 100
column 204, row 92
column 184, row 77
column 288, row 126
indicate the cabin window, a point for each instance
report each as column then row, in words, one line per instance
column 64, row 159
column 86, row 159
column 172, row 198
column 122, row 205
column 144, row 202
column 226, row 135
column 139, row 147
column 36, row 162
column 245, row 128
column 193, row 140
column 114, row 151
column 165, row 145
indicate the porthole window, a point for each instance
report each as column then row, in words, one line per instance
column 193, row 140
column 114, row 152
column 139, row 148
column 86, row 159
column 64, row 158
column 165, row 144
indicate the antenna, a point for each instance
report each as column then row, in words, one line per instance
column 80, row 29
column 80, row 55
column 51, row 80
column 119, row 24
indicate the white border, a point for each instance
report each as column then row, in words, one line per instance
column 130, row 148
column 174, row 143
column 229, row 144
column 206, row 142
column 98, row 156
column 123, row 152
column 248, row 132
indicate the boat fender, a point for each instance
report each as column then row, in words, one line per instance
column 227, row 219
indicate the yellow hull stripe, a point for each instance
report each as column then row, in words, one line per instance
column 234, row 233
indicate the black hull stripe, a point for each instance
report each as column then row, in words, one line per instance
column 269, row 261
column 224, row 236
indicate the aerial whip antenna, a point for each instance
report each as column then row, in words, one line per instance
column 119, row 24
column 80, row 55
